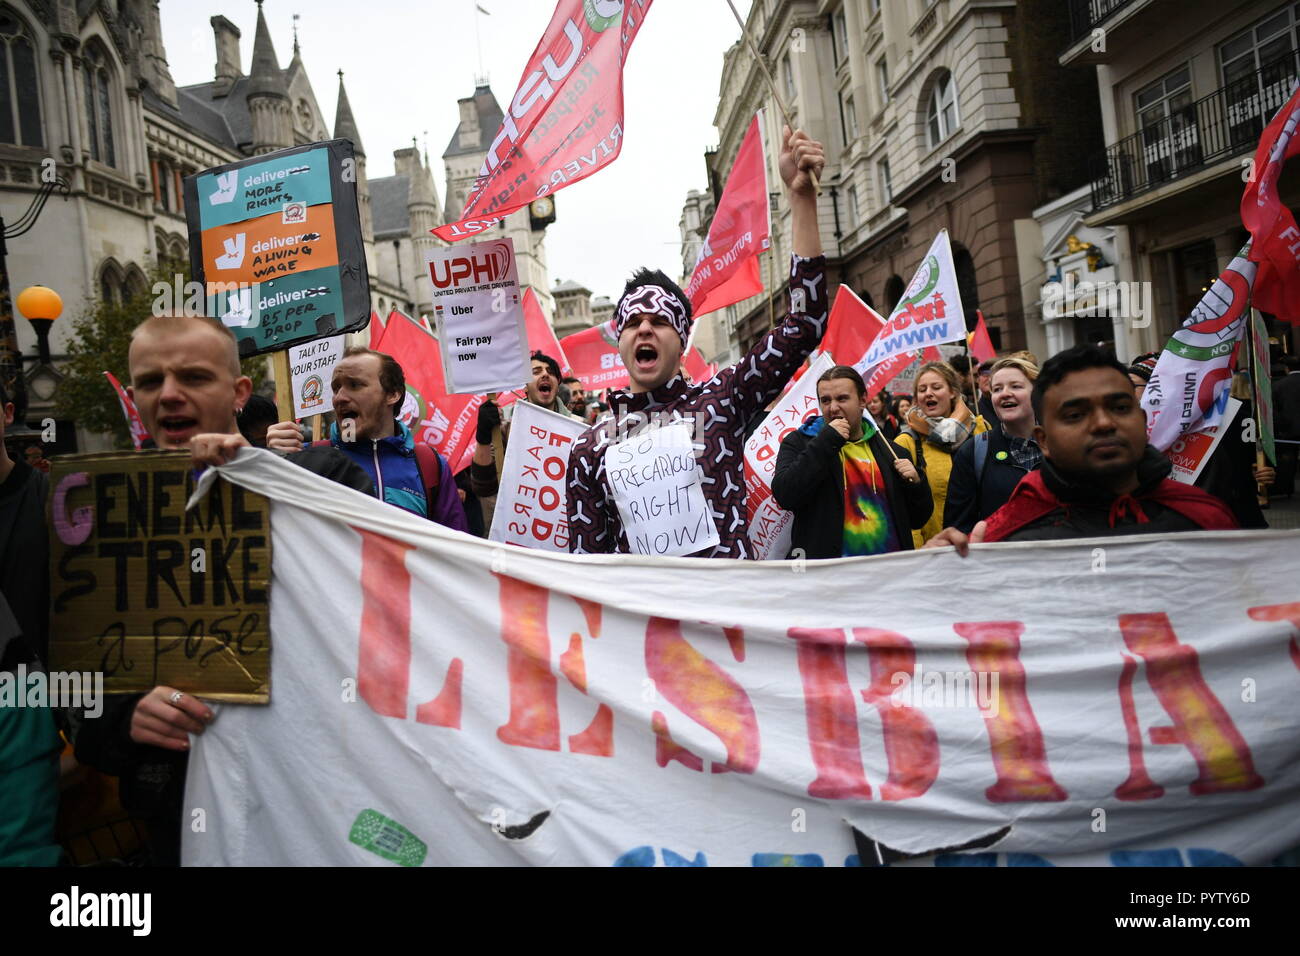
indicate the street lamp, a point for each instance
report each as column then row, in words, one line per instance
column 41, row 305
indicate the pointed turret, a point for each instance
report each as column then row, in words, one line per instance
column 268, row 94
column 264, row 76
column 345, row 127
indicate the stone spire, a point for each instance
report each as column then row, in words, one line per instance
column 268, row 95
column 345, row 127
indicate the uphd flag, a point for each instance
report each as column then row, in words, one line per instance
column 1189, row 385
column 1274, row 237
column 929, row 313
column 727, row 269
column 565, row 120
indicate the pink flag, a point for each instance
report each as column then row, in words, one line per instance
column 541, row 337
column 981, row 345
column 565, row 120
column 139, row 435
column 593, row 356
column 698, row 369
column 1274, row 237
column 727, row 271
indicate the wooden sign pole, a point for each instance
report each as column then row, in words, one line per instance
column 283, row 384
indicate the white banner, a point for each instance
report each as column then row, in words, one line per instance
column 479, row 316
column 770, row 525
column 930, row 311
column 532, row 503
column 311, row 367
column 439, row 699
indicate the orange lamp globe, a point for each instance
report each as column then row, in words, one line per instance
column 40, row 302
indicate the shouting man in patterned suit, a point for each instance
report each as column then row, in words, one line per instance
column 653, row 321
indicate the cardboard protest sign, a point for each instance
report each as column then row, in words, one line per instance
column 770, row 525
column 1191, row 453
column 929, row 313
column 479, row 316
column 310, row 368
column 149, row 593
column 532, row 503
column 276, row 242
column 658, row 489
column 515, row 706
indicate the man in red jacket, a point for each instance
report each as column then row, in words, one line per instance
column 1099, row 476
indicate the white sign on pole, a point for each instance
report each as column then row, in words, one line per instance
column 479, row 316
column 310, row 368
column 656, row 483
column 533, row 502
column 929, row 313
column 770, row 525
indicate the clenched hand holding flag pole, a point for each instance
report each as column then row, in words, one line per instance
column 565, row 120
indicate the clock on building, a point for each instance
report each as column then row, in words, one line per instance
column 541, row 212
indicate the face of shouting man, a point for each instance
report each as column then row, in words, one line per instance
column 360, row 398
column 541, row 390
column 1093, row 428
column 185, row 379
column 651, row 349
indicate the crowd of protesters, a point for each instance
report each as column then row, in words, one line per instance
column 1009, row 450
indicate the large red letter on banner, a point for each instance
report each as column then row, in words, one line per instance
column 703, row 691
column 1200, row 722
column 1014, row 735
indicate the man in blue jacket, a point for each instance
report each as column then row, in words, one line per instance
column 369, row 388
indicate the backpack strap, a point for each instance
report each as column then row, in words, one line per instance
column 430, row 465
column 981, row 455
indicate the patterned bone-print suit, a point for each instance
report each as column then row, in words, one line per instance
column 718, row 410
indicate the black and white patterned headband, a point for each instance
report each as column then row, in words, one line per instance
column 654, row 300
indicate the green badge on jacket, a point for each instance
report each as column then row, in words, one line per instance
column 1001, row 456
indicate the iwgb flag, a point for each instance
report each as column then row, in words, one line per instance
column 1189, row 386
column 438, row 699
column 441, row 420
column 593, row 356
column 1274, row 237
column 929, row 313
column 565, row 120
column 727, row 269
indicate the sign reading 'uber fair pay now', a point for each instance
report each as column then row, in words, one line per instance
column 479, row 316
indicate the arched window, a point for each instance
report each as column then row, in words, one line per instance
column 894, row 288
column 20, row 102
column 941, row 117
column 135, row 284
column 99, row 105
column 967, row 283
column 110, row 283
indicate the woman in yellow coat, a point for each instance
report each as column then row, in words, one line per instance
column 937, row 425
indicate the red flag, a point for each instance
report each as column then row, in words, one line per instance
column 727, row 270
column 698, row 369
column 565, row 120
column 139, row 434
column 593, row 356
column 852, row 327
column 981, row 346
column 443, row 421
column 1274, row 237
column 376, row 331
column 541, row 337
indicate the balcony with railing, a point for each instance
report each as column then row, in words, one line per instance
column 1224, row 124
column 1086, row 16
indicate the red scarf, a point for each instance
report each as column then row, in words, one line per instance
column 1032, row 500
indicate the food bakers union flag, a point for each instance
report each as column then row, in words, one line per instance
column 565, row 120
column 727, row 270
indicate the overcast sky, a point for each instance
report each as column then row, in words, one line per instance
column 406, row 63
